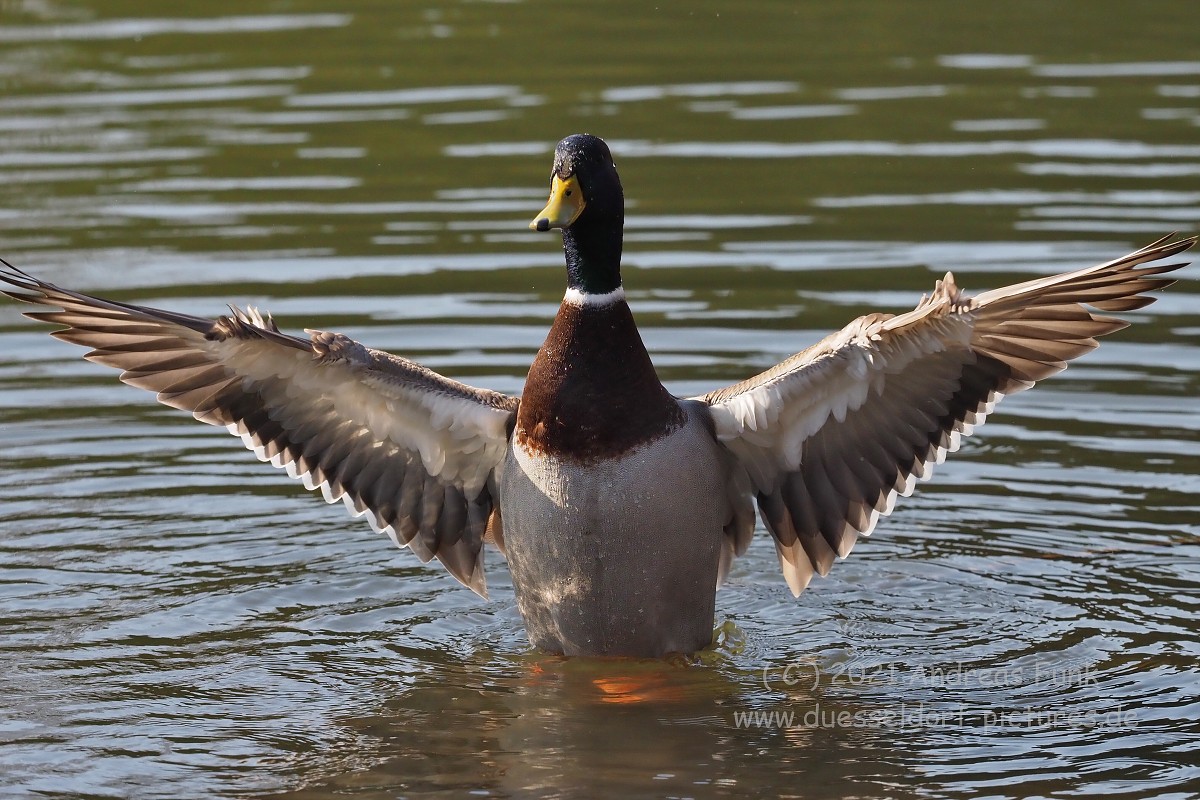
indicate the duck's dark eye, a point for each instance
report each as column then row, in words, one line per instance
column 568, row 192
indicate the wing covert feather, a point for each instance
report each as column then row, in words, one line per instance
column 411, row 450
column 831, row 436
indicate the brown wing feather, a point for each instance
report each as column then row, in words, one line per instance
column 395, row 441
column 833, row 435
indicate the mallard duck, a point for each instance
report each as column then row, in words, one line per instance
column 618, row 506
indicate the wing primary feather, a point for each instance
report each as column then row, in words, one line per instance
column 319, row 407
column 831, row 436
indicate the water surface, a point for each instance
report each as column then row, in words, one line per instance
column 178, row 620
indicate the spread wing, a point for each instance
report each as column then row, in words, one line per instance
column 830, row 437
column 410, row 449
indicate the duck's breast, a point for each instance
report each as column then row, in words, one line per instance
column 618, row 556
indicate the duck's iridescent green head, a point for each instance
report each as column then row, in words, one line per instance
column 587, row 203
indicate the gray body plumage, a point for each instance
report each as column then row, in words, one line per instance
column 619, row 556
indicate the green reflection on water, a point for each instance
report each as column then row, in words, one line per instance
column 182, row 625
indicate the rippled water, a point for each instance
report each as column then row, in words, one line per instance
column 177, row 620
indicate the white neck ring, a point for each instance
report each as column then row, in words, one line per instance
column 576, row 297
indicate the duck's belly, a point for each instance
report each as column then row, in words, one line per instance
column 618, row 557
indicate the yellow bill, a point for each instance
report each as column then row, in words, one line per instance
column 564, row 207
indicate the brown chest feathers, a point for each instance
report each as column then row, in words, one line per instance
column 592, row 392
